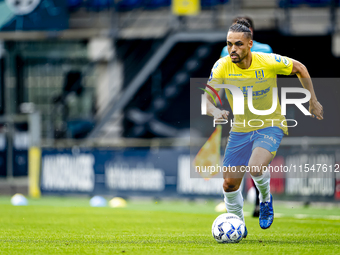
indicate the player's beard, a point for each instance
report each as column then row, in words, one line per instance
column 239, row 59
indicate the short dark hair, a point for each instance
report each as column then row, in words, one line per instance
column 250, row 21
column 241, row 26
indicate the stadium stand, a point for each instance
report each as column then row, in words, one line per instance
column 129, row 5
column 309, row 3
column 169, row 93
column 135, row 54
column 140, row 31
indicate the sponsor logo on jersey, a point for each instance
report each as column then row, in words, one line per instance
column 235, row 74
column 270, row 138
column 285, row 61
column 255, row 93
column 278, row 58
column 261, row 92
column 259, row 74
column 245, row 90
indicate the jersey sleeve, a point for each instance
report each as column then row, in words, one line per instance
column 282, row 65
column 217, row 75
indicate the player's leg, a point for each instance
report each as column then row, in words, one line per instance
column 262, row 157
column 232, row 193
column 266, row 143
column 237, row 154
column 259, row 159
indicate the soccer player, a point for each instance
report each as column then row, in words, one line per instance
column 257, row 47
column 252, row 146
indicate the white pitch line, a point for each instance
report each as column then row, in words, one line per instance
column 278, row 215
column 301, row 216
column 246, row 214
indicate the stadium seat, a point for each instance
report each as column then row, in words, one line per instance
column 99, row 5
column 210, row 3
column 74, row 4
column 318, row 2
column 79, row 128
column 310, row 3
column 127, row 5
column 153, row 4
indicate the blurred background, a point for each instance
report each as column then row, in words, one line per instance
column 94, row 94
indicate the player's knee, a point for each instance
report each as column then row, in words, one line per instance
column 229, row 185
column 255, row 169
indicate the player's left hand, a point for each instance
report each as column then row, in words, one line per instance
column 316, row 109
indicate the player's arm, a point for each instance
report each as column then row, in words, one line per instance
column 216, row 77
column 211, row 109
column 315, row 108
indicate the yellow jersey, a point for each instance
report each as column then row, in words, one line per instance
column 261, row 77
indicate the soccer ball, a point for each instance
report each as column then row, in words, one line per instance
column 228, row 228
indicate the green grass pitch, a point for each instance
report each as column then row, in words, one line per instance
column 71, row 226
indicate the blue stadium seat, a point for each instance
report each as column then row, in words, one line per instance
column 72, row 4
column 210, row 3
column 100, row 4
column 311, row 3
column 153, row 4
column 318, row 2
column 128, row 5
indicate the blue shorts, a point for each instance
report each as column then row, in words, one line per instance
column 241, row 145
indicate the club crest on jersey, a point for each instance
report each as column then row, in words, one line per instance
column 259, row 74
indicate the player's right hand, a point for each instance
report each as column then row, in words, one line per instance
column 220, row 114
column 316, row 109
